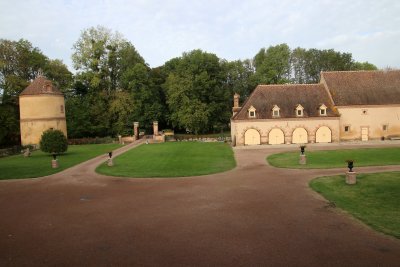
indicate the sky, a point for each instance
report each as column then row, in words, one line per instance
column 164, row 29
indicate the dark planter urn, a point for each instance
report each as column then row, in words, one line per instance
column 350, row 165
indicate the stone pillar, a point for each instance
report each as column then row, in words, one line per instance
column 311, row 138
column 303, row 159
column 155, row 127
column 351, row 177
column 136, row 130
column 54, row 164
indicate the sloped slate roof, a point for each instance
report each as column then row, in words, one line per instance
column 363, row 87
column 287, row 97
column 41, row 86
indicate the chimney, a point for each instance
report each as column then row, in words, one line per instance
column 236, row 98
column 236, row 107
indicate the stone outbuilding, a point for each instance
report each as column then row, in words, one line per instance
column 41, row 107
column 345, row 105
column 368, row 103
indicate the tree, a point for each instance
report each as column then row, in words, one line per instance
column 196, row 97
column 53, row 141
column 115, row 82
column 101, row 57
column 239, row 77
column 273, row 65
column 364, row 66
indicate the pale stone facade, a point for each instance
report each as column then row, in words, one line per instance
column 357, row 105
column 42, row 107
column 369, row 122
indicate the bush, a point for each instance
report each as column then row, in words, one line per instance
column 53, row 141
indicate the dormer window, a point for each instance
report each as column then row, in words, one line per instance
column 252, row 112
column 299, row 110
column 275, row 111
column 322, row 110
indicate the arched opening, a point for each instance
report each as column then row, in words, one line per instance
column 252, row 137
column 299, row 136
column 323, row 135
column 276, row 137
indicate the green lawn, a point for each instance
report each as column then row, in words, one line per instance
column 375, row 199
column 336, row 158
column 39, row 163
column 172, row 159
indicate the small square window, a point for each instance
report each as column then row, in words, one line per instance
column 322, row 111
column 299, row 112
column 276, row 113
column 347, row 128
column 385, row 127
column 252, row 114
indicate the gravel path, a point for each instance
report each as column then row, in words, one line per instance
column 254, row 215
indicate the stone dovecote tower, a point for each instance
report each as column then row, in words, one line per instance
column 41, row 107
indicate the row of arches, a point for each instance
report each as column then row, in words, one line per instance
column 299, row 136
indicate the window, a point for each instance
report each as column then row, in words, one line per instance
column 275, row 111
column 299, row 110
column 347, row 128
column 251, row 112
column 322, row 110
column 385, row 127
column 62, row 108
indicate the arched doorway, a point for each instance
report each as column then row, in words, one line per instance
column 276, row 137
column 252, row 137
column 300, row 136
column 323, row 135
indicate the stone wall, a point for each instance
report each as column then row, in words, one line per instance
column 288, row 126
column 371, row 117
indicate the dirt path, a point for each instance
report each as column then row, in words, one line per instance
column 254, row 215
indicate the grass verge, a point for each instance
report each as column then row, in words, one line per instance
column 39, row 163
column 172, row 159
column 375, row 199
column 336, row 158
